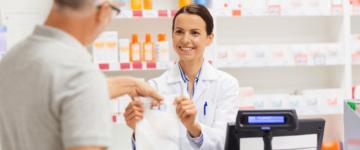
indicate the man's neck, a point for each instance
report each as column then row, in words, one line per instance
column 67, row 24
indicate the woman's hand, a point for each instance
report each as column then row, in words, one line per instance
column 134, row 112
column 186, row 111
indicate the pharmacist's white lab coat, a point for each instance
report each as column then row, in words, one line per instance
column 218, row 90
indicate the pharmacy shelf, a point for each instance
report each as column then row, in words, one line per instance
column 127, row 26
column 169, row 13
column 133, row 66
column 146, row 14
column 247, row 30
column 270, row 80
column 305, row 105
column 278, row 29
column 277, row 66
column 141, row 74
column 241, row 13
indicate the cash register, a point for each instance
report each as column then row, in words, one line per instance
column 273, row 129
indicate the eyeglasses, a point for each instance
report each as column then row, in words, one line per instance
column 113, row 7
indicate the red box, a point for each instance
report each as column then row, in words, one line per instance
column 113, row 118
column 137, row 13
column 163, row 13
column 104, row 66
column 124, row 66
column 151, row 65
column 236, row 12
column 137, row 65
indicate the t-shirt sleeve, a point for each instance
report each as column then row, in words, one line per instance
column 84, row 111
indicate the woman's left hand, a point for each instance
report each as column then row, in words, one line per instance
column 186, row 111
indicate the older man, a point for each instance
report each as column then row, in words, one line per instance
column 51, row 96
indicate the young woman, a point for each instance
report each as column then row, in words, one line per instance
column 212, row 99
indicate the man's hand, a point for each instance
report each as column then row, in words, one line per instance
column 186, row 111
column 134, row 112
column 144, row 89
column 119, row 86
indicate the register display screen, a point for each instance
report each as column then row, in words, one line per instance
column 266, row 119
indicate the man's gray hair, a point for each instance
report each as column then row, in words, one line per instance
column 75, row 4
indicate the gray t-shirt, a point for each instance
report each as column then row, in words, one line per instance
column 51, row 96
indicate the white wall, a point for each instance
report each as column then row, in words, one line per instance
column 20, row 17
column 26, row 5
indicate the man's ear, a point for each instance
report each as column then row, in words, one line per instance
column 104, row 13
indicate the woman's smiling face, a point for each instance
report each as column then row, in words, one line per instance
column 190, row 37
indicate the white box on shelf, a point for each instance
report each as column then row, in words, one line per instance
column 337, row 2
column 236, row 4
column 222, row 12
column 225, row 55
column 293, row 102
column 240, row 55
column 326, row 7
column 300, row 54
column 163, row 50
column 105, row 47
column 254, row 8
column 150, row 14
column 221, row 52
column 221, row 56
column 221, row 4
column 337, row 7
column 124, row 50
column 355, row 9
column 317, row 55
column 279, row 55
column 254, row 4
column 317, row 7
column 274, row 2
column 292, row 7
column 333, row 54
column 258, row 56
column 329, row 100
column 237, row 56
column 125, row 13
column 274, row 7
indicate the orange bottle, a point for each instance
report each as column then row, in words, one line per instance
column 148, row 49
column 148, row 4
column 183, row 3
column 136, row 4
column 135, row 49
column 331, row 145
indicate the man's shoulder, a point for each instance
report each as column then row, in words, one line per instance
column 47, row 54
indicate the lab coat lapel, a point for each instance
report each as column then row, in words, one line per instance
column 207, row 76
column 200, row 90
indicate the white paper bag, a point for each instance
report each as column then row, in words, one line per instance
column 159, row 129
